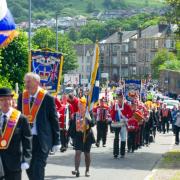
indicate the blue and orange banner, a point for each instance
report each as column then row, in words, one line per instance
column 48, row 65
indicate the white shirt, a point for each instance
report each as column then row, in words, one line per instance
column 8, row 114
column 34, row 128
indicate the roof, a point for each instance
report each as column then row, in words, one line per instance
column 155, row 31
column 114, row 38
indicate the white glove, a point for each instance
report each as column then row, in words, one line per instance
column 24, row 166
column 58, row 114
column 55, row 148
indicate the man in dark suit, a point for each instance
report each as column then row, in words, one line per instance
column 39, row 107
column 15, row 138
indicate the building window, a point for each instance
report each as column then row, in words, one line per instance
column 89, row 59
column 156, row 43
column 178, row 84
column 169, row 43
column 115, row 71
column 124, row 72
column 114, row 60
column 126, row 60
column 134, row 70
column 124, row 48
column 115, row 48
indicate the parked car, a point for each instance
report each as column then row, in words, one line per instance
column 178, row 98
column 171, row 103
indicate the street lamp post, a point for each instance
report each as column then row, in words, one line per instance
column 57, row 31
column 29, row 35
column 120, row 58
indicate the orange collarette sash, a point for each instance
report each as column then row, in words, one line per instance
column 6, row 136
column 32, row 112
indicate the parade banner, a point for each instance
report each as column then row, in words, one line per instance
column 132, row 88
column 7, row 25
column 48, row 65
column 93, row 95
column 94, row 83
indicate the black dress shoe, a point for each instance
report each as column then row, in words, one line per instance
column 115, row 156
column 97, row 144
column 76, row 173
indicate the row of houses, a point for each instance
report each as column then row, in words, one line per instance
column 63, row 22
column 127, row 54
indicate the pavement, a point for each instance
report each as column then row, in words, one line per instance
column 168, row 168
column 137, row 166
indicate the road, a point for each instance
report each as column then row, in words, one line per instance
column 134, row 166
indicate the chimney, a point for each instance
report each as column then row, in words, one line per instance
column 120, row 35
column 162, row 27
column 139, row 32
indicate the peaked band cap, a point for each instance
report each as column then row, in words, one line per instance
column 119, row 92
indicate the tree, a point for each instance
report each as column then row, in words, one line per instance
column 90, row 7
column 84, row 41
column 174, row 14
column 70, row 57
column 4, row 82
column 107, row 4
column 93, row 30
column 73, row 34
column 15, row 60
column 44, row 37
column 163, row 60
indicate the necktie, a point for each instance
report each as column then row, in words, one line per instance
column 32, row 101
column 4, row 122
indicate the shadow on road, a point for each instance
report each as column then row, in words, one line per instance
column 58, row 177
column 137, row 160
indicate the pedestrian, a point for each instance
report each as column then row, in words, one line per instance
column 84, row 138
column 177, row 125
column 15, row 138
column 39, row 107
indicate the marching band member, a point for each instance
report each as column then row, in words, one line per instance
column 101, row 113
column 121, row 112
column 73, row 101
column 66, row 114
column 132, row 129
column 166, row 117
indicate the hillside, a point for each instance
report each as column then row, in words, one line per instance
column 46, row 8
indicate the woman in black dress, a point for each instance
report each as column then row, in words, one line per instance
column 84, row 138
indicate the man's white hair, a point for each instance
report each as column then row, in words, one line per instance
column 33, row 76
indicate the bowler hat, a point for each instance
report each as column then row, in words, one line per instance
column 5, row 92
